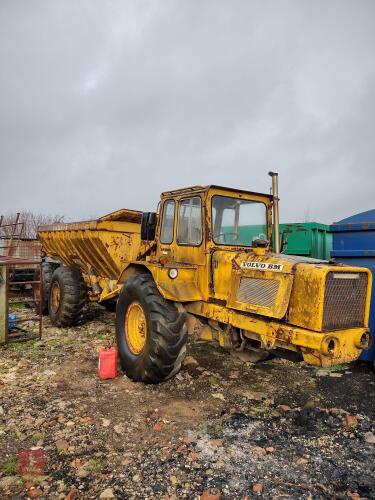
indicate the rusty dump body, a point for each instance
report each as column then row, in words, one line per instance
column 99, row 248
column 219, row 270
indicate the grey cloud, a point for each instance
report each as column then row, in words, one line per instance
column 106, row 104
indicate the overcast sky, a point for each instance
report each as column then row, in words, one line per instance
column 104, row 104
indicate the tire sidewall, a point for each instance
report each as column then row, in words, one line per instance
column 41, row 301
column 131, row 363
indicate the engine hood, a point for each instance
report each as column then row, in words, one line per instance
column 257, row 282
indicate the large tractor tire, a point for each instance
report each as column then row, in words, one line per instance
column 151, row 332
column 67, row 296
column 48, row 269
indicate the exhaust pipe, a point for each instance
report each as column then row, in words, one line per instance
column 275, row 194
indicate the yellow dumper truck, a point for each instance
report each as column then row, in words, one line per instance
column 203, row 265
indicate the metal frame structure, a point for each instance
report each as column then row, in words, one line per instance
column 9, row 297
column 14, row 236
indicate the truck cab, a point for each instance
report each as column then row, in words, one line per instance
column 202, row 228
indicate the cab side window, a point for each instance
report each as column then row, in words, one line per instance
column 189, row 231
column 167, row 223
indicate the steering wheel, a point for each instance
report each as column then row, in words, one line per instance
column 225, row 237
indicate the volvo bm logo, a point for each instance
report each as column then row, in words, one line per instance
column 262, row 266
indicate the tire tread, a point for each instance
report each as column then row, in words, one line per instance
column 166, row 328
column 73, row 296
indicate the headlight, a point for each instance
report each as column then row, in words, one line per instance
column 172, row 273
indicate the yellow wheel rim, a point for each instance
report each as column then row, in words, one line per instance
column 55, row 296
column 135, row 328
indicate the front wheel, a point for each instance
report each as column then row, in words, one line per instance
column 151, row 332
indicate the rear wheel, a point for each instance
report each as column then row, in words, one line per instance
column 47, row 271
column 67, row 296
column 151, row 332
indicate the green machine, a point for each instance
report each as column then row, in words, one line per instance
column 307, row 238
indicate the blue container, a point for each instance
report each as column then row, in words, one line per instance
column 354, row 244
column 12, row 321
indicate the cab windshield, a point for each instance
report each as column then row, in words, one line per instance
column 238, row 222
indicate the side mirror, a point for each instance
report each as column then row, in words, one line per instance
column 148, row 226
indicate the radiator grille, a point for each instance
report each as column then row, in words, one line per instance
column 344, row 300
column 258, row 291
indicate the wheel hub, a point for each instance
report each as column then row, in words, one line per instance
column 135, row 328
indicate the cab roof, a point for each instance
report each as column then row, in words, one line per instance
column 199, row 189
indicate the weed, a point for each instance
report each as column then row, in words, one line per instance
column 100, row 336
column 213, row 380
column 10, row 466
column 93, row 465
column 35, row 480
column 22, row 346
column 337, row 368
column 37, row 437
column 54, row 343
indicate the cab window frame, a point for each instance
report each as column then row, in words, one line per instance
column 240, row 198
column 201, row 221
column 165, row 203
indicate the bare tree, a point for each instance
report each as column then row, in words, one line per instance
column 29, row 222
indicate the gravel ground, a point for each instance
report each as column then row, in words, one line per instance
column 220, row 429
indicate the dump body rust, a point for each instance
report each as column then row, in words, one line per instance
column 100, row 248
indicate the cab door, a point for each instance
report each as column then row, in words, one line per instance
column 181, row 234
column 182, row 243
column 167, row 229
column 190, row 246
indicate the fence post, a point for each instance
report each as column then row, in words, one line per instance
column 3, row 304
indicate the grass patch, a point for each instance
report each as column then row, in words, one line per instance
column 37, row 437
column 35, row 480
column 22, row 346
column 30, row 348
column 54, row 343
column 100, row 336
column 337, row 368
column 213, row 380
column 93, row 465
column 10, row 466
column 18, row 305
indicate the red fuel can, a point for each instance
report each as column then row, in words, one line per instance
column 107, row 367
column 31, row 462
